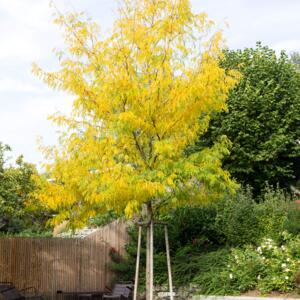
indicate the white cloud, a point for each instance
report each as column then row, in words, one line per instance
column 28, row 35
column 26, row 29
column 22, row 122
column 19, row 86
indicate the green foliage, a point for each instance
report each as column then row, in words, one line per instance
column 292, row 222
column 32, row 231
column 191, row 225
column 242, row 220
column 103, row 219
column 236, row 219
column 269, row 267
column 273, row 212
column 19, row 211
column 188, row 263
column 263, row 120
column 206, row 241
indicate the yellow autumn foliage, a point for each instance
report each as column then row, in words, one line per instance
column 142, row 96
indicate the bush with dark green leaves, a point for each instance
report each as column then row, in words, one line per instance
column 246, row 219
column 263, row 119
column 201, row 238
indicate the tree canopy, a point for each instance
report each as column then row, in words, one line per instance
column 263, row 120
column 19, row 211
column 138, row 97
column 295, row 58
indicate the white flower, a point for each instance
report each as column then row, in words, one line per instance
column 263, row 258
column 287, row 270
column 230, row 276
column 228, row 266
column 258, row 277
column 286, row 277
column 283, row 247
column 288, row 259
column 259, row 250
column 283, row 265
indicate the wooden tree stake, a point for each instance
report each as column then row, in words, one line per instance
column 136, row 281
column 169, row 262
column 151, row 261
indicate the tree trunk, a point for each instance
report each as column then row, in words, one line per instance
column 149, row 253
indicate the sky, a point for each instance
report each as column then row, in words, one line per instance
column 27, row 35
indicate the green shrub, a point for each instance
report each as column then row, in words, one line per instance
column 191, row 225
column 244, row 219
column 236, row 219
column 201, row 238
column 272, row 212
column 292, row 222
column 269, row 267
column 188, row 265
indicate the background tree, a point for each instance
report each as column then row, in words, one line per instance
column 295, row 58
column 139, row 95
column 263, row 119
column 19, row 212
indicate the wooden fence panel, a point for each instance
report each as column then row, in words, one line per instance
column 67, row 264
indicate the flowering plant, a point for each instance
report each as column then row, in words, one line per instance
column 270, row 266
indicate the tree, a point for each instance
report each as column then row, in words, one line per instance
column 295, row 58
column 263, row 119
column 18, row 209
column 138, row 96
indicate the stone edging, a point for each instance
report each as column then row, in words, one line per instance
column 203, row 297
